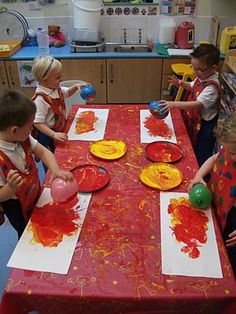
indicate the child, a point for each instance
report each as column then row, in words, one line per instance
column 49, row 99
column 19, row 180
column 222, row 167
column 201, row 108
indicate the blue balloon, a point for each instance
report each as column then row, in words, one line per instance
column 155, row 109
column 88, row 92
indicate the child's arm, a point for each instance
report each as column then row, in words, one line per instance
column 14, row 180
column 177, row 82
column 203, row 171
column 74, row 88
column 50, row 161
column 57, row 136
column 232, row 239
column 167, row 105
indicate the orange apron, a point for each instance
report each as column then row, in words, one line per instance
column 223, row 186
column 28, row 192
column 192, row 118
column 58, row 107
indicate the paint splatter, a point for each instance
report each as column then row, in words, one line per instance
column 157, row 127
column 52, row 221
column 85, row 122
column 189, row 225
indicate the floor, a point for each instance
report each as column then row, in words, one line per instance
column 8, row 241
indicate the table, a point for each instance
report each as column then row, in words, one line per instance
column 117, row 266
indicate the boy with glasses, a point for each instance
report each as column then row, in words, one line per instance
column 200, row 111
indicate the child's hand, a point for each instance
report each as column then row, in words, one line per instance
column 79, row 85
column 197, row 179
column 174, row 80
column 14, row 179
column 58, row 136
column 165, row 105
column 63, row 174
column 232, row 239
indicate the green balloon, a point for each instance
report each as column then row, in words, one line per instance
column 200, row 196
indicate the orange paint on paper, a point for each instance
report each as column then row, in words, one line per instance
column 157, row 127
column 52, row 221
column 85, row 122
column 189, row 225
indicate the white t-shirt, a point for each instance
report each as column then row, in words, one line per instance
column 44, row 113
column 208, row 97
column 16, row 154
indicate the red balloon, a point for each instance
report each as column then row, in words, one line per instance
column 62, row 190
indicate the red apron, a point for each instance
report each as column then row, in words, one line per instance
column 223, row 186
column 192, row 118
column 58, row 108
column 29, row 190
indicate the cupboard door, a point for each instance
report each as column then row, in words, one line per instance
column 133, row 80
column 3, row 77
column 14, row 79
column 90, row 70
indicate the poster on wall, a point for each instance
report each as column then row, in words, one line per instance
column 25, row 75
column 178, row 7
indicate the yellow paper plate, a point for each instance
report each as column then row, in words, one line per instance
column 108, row 149
column 160, row 175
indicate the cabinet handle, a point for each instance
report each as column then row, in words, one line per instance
column 111, row 73
column 10, row 75
column 2, row 77
column 102, row 75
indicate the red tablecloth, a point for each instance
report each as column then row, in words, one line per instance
column 117, row 267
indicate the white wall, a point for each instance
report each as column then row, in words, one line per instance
column 61, row 13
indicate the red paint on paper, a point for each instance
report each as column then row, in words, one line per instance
column 52, row 221
column 157, row 127
column 85, row 122
column 189, row 225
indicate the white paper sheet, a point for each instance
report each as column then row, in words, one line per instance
column 51, row 259
column 175, row 262
column 179, row 52
column 99, row 126
column 146, row 137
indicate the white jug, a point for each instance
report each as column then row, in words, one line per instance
column 167, row 31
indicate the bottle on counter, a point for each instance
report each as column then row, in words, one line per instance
column 167, row 31
column 149, row 42
column 43, row 41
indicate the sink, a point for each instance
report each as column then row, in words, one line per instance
column 128, row 48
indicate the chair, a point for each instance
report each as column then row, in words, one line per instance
column 186, row 72
column 74, row 99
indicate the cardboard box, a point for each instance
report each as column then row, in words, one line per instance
column 8, row 48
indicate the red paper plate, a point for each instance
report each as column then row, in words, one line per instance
column 163, row 151
column 90, row 178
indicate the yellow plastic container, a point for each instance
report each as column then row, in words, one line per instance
column 228, row 39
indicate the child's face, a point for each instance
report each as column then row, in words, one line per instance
column 202, row 70
column 23, row 132
column 53, row 79
column 230, row 149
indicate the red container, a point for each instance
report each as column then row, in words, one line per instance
column 184, row 35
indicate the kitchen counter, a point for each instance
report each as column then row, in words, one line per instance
column 29, row 53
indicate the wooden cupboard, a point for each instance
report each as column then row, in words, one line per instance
column 14, row 78
column 89, row 70
column 3, row 77
column 118, row 80
column 133, row 80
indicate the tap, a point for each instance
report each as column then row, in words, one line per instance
column 140, row 35
column 125, row 35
